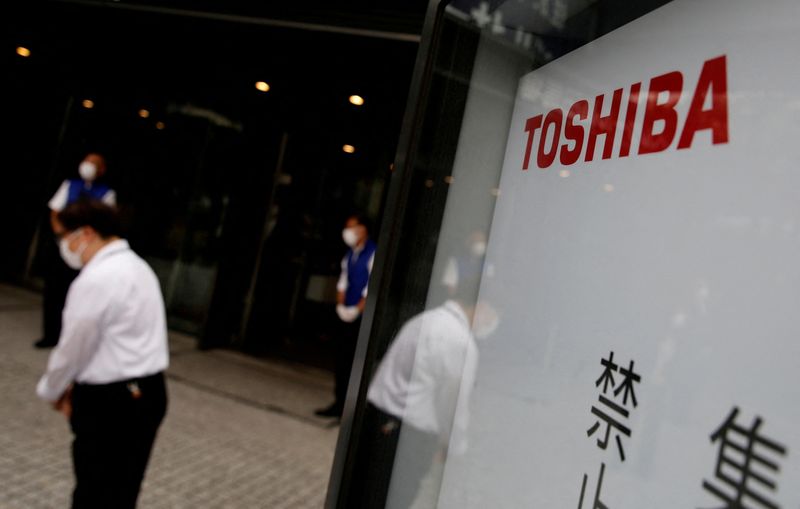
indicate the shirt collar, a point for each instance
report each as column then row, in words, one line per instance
column 455, row 308
column 109, row 249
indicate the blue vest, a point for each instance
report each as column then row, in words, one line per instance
column 470, row 267
column 358, row 273
column 78, row 190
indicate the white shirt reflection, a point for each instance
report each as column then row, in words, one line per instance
column 427, row 375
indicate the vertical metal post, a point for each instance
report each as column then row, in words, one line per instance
column 34, row 246
column 186, row 241
column 350, row 428
column 265, row 232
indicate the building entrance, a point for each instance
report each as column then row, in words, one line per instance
column 236, row 147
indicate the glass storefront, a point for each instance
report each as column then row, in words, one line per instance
column 235, row 195
column 588, row 283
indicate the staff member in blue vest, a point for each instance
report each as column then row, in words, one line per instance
column 58, row 276
column 351, row 298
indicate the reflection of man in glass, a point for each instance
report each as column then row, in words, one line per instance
column 418, row 401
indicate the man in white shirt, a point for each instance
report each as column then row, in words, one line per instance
column 422, row 388
column 58, row 277
column 106, row 374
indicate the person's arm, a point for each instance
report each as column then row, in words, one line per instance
column 450, row 276
column 110, row 198
column 53, row 219
column 64, row 403
column 58, row 202
column 341, row 285
column 80, row 338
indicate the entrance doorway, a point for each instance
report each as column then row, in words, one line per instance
column 235, row 150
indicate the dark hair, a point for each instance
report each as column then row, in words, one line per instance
column 102, row 218
column 362, row 220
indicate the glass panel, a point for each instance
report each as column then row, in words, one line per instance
column 587, row 261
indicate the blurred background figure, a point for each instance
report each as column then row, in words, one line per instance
column 58, row 276
column 468, row 264
column 351, row 297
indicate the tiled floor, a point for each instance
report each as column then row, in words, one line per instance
column 240, row 432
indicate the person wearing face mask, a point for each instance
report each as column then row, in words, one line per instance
column 418, row 401
column 467, row 264
column 350, row 300
column 58, row 276
column 106, row 373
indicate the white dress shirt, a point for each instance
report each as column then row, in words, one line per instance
column 427, row 375
column 114, row 325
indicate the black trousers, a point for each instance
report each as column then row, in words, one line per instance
column 58, row 278
column 379, row 463
column 114, row 428
column 346, row 338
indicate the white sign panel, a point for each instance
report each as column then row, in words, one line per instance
column 646, row 254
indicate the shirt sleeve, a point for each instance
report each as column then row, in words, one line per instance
column 450, row 276
column 83, row 315
column 341, row 285
column 369, row 271
column 110, row 198
column 59, row 200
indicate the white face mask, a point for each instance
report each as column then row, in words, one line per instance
column 71, row 258
column 478, row 248
column 88, row 171
column 485, row 321
column 350, row 236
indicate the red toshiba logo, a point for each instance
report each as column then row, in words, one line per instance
column 662, row 95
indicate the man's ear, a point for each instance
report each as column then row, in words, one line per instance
column 90, row 234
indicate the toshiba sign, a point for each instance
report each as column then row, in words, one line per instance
column 645, row 249
column 570, row 139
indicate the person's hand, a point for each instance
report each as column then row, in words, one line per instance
column 64, row 403
column 340, row 298
column 361, row 304
column 389, row 427
column 347, row 314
